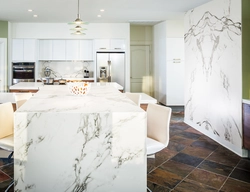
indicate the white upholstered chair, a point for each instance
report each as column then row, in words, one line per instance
column 158, row 122
column 7, row 130
column 21, row 98
column 135, row 97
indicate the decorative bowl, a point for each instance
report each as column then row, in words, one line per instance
column 78, row 88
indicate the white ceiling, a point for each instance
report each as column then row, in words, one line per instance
column 64, row 11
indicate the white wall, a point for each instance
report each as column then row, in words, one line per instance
column 168, row 74
column 160, row 59
column 214, row 72
column 62, row 31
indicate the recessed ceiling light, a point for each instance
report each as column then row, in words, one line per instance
column 30, row 10
column 102, row 10
column 99, row 16
column 34, row 15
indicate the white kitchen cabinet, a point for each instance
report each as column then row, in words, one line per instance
column 117, row 44
column 109, row 44
column 45, row 50
column 175, row 49
column 59, row 50
column 72, row 49
column 24, row 49
column 86, row 50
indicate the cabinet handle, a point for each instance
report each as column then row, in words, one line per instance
column 102, row 48
column 117, row 48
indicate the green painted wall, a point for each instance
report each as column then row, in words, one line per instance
column 246, row 48
column 3, row 29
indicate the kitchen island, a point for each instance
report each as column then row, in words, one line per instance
column 94, row 142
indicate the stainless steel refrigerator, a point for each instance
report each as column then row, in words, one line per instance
column 110, row 67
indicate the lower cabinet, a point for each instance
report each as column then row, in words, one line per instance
column 246, row 126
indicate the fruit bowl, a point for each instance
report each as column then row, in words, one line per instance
column 78, row 88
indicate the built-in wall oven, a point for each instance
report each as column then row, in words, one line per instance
column 23, row 72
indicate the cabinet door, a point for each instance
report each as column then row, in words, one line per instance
column 72, row 49
column 117, row 44
column 175, row 49
column 45, row 50
column 29, row 49
column 86, row 50
column 17, row 49
column 102, row 44
column 59, row 50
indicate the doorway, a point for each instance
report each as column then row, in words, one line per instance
column 140, row 69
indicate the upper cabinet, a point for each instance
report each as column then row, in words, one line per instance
column 24, row 49
column 66, row 50
column 45, row 50
column 110, row 44
column 175, row 49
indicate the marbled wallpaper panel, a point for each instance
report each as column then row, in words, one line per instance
column 213, row 70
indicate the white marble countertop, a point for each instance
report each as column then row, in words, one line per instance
column 39, row 85
column 77, row 139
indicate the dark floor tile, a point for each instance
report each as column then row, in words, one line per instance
column 160, row 158
column 233, row 185
column 204, row 144
column 224, row 156
column 189, row 135
column 4, row 185
column 192, row 130
column 8, row 169
column 211, row 179
column 187, row 159
column 244, row 164
column 5, row 161
column 182, row 140
column 3, row 176
column 180, row 126
column 216, row 168
column 173, row 146
column 178, row 168
column 192, row 186
column 197, row 152
column 164, row 178
column 157, row 188
column 241, row 174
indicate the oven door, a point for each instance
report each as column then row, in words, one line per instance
column 23, row 74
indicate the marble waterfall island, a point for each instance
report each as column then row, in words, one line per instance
column 94, row 142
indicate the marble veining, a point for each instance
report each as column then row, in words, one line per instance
column 87, row 143
column 213, row 81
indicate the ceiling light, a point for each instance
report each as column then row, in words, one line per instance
column 30, row 10
column 78, row 28
column 78, row 21
column 78, row 33
column 102, row 10
column 99, row 16
column 34, row 15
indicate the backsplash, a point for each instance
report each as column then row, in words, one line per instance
column 65, row 69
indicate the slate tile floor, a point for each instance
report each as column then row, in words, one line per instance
column 191, row 163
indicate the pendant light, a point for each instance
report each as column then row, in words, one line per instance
column 78, row 29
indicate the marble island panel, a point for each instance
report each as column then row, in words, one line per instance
column 91, row 143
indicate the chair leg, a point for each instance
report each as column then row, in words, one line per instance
column 149, row 189
column 9, row 157
column 12, row 183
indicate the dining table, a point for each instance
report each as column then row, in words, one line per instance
column 68, row 141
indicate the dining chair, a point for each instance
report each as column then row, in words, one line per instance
column 7, row 131
column 22, row 98
column 135, row 97
column 158, row 122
